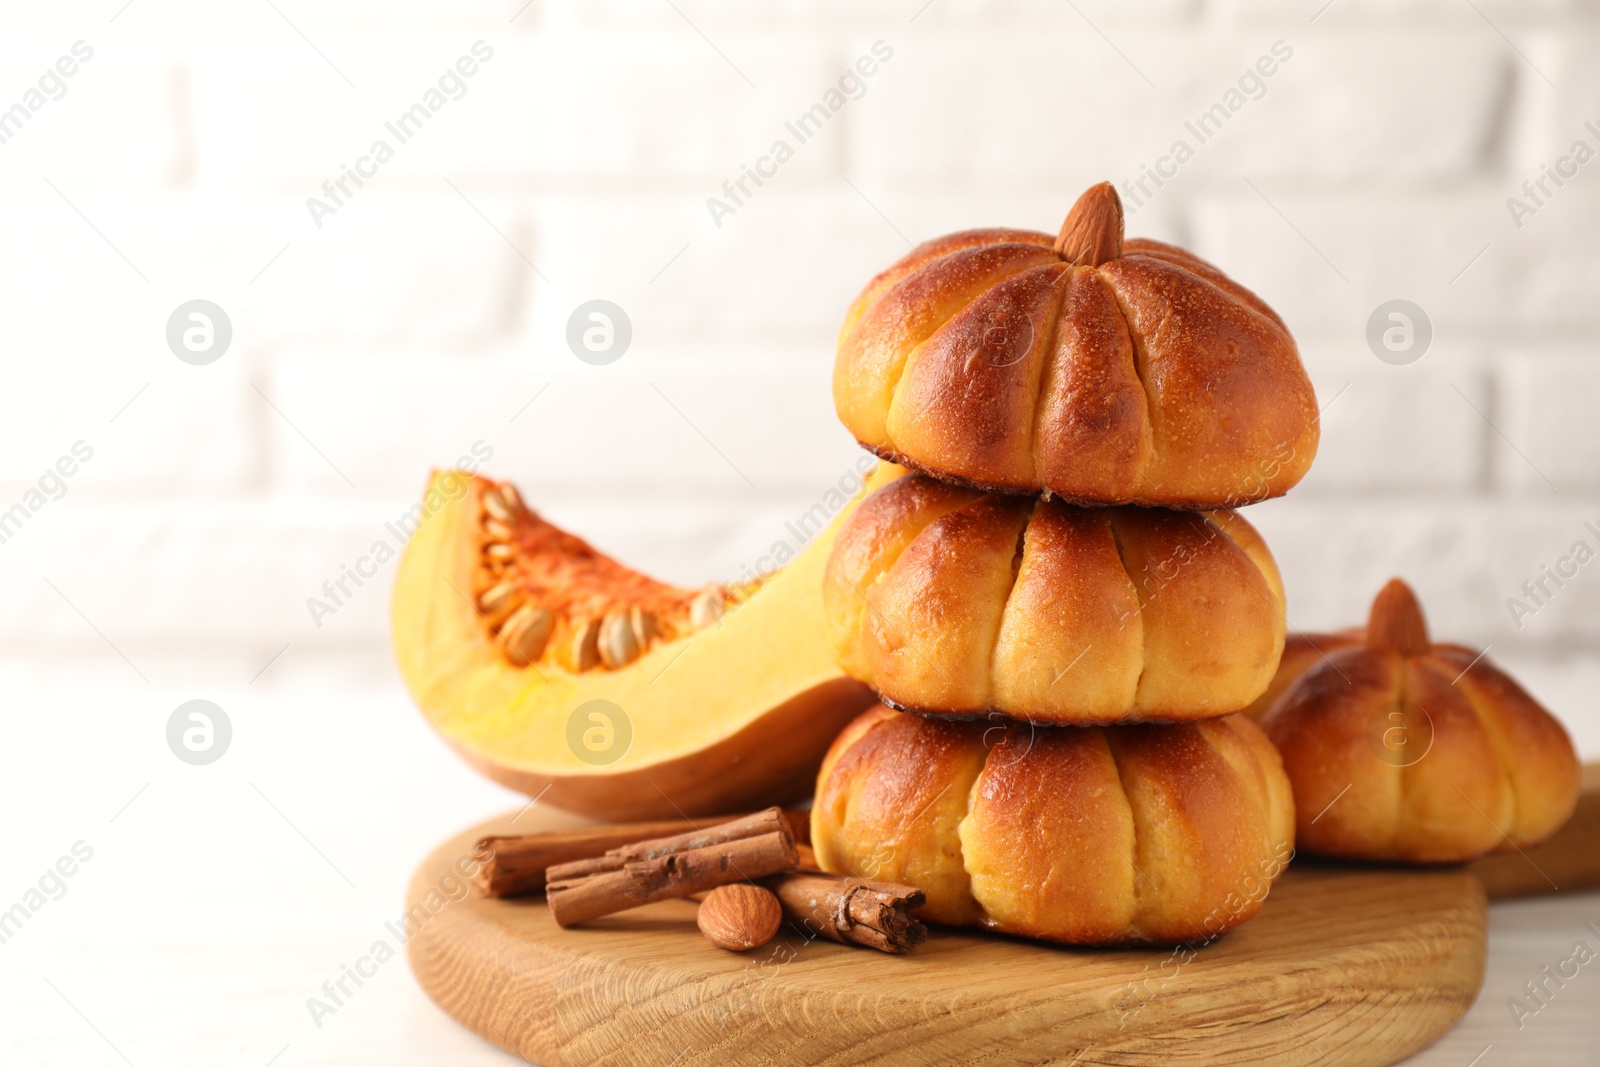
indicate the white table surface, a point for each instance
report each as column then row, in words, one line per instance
column 220, row 898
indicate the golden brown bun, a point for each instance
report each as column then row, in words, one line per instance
column 954, row 601
column 1147, row 377
column 1400, row 749
column 1301, row 652
column 1084, row 835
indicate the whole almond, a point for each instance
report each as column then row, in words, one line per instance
column 739, row 917
column 1092, row 232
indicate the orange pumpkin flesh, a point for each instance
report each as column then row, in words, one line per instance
column 725, row 713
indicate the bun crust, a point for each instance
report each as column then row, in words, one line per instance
column 986, row 357
column 954, row 601
column 1302, row 652
column 1424, row 753
column 1131, row 834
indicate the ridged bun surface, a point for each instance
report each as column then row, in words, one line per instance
column 951, row 600
column 1088, row 836
column 1103, row 370
column 1303, row 651
column 1400, row 749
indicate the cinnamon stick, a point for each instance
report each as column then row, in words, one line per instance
column 770, row 821
column 514, row 864
column 676, row 874
column 852, row 911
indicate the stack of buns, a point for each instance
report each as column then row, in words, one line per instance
column 1054, row 600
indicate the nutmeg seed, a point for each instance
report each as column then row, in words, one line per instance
column 739, row 917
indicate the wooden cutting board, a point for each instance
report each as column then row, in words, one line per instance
column 1344, row 965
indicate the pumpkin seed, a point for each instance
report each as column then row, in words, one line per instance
column 497, row 598
column 584, row 650
column 495, row 503
column 525, row 634
column 644, row 627
column 619, row 646
column 498, row 551
column 496, row 530
column 707, row 607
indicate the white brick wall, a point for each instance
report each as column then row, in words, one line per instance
column 1395, row 430
column 1550, row 398
column 1375, row 164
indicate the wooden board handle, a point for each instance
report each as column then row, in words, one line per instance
column 1567, row 863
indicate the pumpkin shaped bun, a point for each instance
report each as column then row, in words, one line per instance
column 1302, row 651
column 1104, row 371
column 1400, row 749
column 1084, row 835
column 949, row 600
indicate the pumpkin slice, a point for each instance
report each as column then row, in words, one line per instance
column 559, row 672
